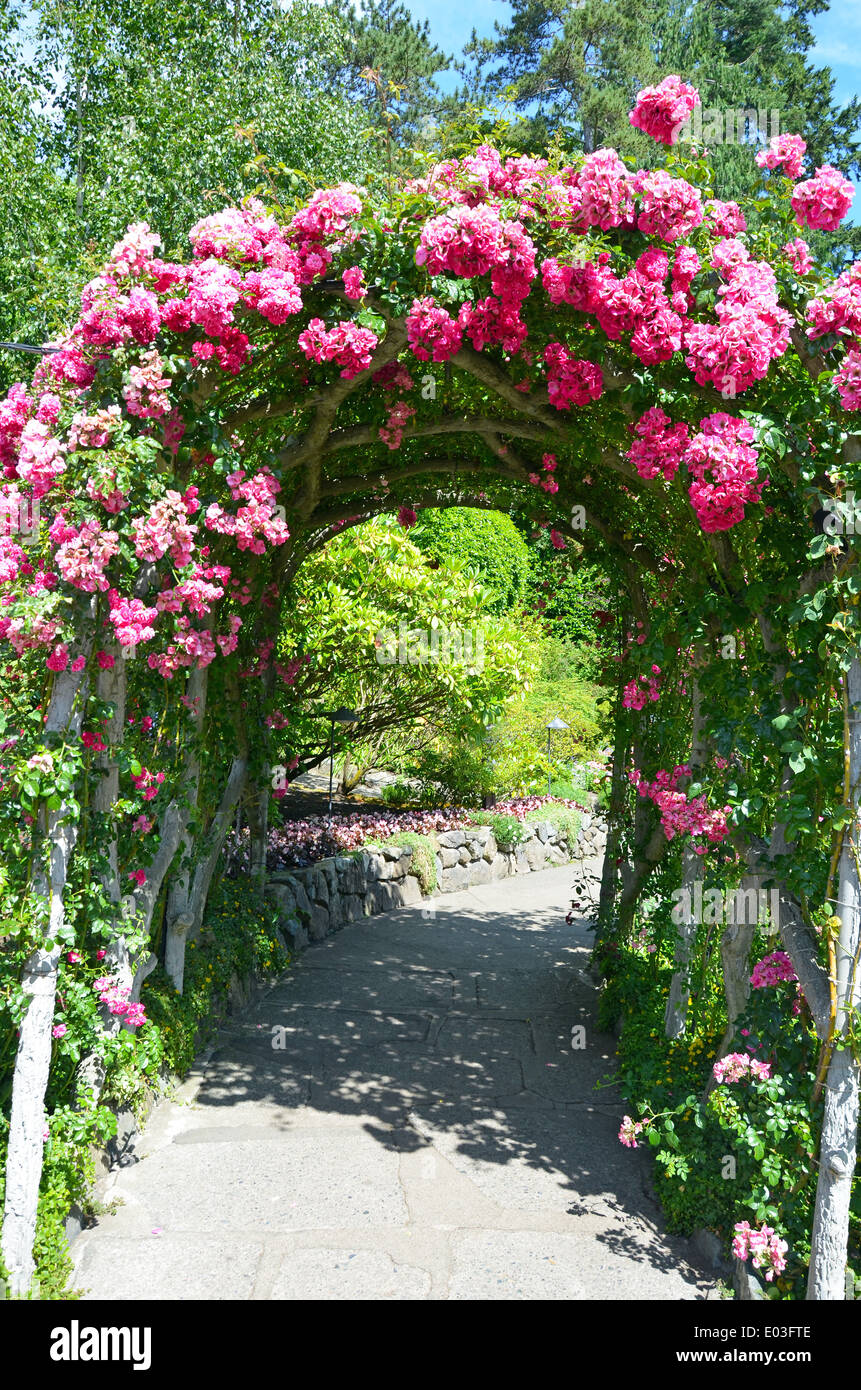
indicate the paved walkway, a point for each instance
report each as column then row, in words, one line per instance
column 427, row 1133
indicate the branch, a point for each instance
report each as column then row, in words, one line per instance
column 449, row 424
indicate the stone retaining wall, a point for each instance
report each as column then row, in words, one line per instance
column 319, row 900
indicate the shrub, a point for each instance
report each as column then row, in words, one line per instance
column 423, row 863
column 508, row 831
column 566, row 821
column 398, row 793
column 486, row 542
column 458, row 776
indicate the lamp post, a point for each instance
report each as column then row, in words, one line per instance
column 555, row 723
column 336, row 716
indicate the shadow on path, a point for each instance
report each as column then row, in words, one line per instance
column 425, row 1093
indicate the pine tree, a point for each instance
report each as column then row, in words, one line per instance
column 384, row 39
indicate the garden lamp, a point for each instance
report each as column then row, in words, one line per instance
column 555, row 723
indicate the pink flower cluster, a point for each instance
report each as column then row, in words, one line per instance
column 639, row 692
column 838, row 308
column 491, row 321
column 398, row 417
column 848, row 380
column 256, row 523
column 764, row 1245
column 669, row 208
column 599, row 194
column 148, row 783
column 463, row 241
column 131, row 620
column 145, row 391
column 571, row 380
column 82, row 558
column 725, row 219
column 720, row 457
column 660, row 446
column 752, row 328
column 548, row 482
column 724, row 467
column 94, row 431
column 192, row 647
column 637, row 304
column 739, row 1066
column 628, row 1131
column 41, row 457
column 166, row 528
column 680, row 816
column 117, row 999
column 822, row 202
column 786, row 151
column 772, row 970
column 273, row 292
column 797, row 252
column 347, row 344
column 662, row 111
column 432, row 333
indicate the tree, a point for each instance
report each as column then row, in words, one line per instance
column 569, row 67
column 410, row 647
column 385, row 39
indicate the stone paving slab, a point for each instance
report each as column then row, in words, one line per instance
column 427, row 1132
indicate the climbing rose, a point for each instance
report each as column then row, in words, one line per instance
column 629, row 1130
column 660, row 447
column 662, row 111
column 848, row 380
column 347, row 344
column 773, row 969
column 768, row 1251
column 725, row 218
column 669, row 208
column 787, row 150
column 822, row 202
column 274, row 293
column 570, row 380
column 59, row 658
column 353, row 287
column 798, row 254
column 737, row 1066
column 724, row 467
column 462, row 241
column 431, row 331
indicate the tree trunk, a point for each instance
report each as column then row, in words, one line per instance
column 27, row 1125
column 840, row 1121
column 111, row 688
column 615, row 813
column 258, row 823
column 735, row 944
column 675, row 1015
column 178, row 919
column 190, row 919
column 692, row 871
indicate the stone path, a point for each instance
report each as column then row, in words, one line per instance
column 428, row 1132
